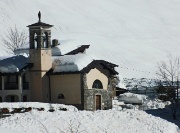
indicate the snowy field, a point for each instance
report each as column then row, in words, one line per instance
column 117, row 120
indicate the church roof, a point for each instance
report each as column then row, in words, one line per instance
column 80, row 49
column 79, row 63
column 40, row 24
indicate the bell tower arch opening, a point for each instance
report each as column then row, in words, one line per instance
column 45, row 40
column 35, row 41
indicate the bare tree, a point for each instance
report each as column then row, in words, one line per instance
column 13, row 39
column 168, row 74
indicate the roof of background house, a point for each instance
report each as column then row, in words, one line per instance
column 14, row 64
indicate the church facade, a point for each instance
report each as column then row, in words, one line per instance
column 71, row 79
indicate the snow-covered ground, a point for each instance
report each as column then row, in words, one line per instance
column 135, row 34
column 74, row 121
column 137, row 101
column 128, row 121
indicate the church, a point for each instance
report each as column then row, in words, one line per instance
column 74, row 78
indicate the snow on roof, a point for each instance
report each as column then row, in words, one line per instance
column 13, row 64
column 75, row 63
column 66, row 46
column 121, row 83
column 71, row 63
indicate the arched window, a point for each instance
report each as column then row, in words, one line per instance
column 97, row 84
column 61, row 96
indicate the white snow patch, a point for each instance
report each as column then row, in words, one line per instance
column 127, row 121
column 141, row 102
column 72, row 120
column 71, row 63
column 132, row 98
column 5, row 130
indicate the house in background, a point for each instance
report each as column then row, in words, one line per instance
column 75, row 78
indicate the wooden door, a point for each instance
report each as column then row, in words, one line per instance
column 98, row 102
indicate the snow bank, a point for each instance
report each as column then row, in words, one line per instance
column 128, row 121
column 63, row 49
column 132, row 98
column 72, row 120
column 143, row 102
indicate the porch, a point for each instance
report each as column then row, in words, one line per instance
column 14, row 82
column 14, row 88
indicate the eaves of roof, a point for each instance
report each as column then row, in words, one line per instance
column 40, row 24
column 80, row 49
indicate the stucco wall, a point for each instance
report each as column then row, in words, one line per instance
column 39, row 85
column 69, row 85
column 41, row 59
column 38, row 80
column 97, row 73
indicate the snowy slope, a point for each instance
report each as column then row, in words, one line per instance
column 135, row 34
column 4, row 130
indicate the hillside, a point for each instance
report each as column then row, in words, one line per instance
column 135, row 34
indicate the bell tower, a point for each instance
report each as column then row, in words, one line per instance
column 40, row 55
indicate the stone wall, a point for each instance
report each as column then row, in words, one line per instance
column 89, row 99
column 113, row 82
